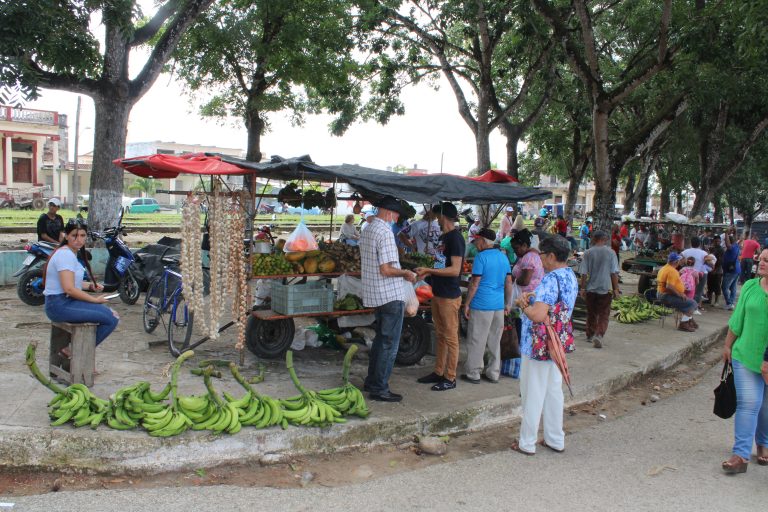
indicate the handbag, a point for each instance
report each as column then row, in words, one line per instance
column 558, row 325
column 725, row 393
column 509, row 345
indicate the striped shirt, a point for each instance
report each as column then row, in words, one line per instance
column 377, row 247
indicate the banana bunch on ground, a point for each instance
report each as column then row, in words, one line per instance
column 635, row 309
column 254, row 409
column 347, row 399
column 307, row 408
column 218, row 415
column 76, row 403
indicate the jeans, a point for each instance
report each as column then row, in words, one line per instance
column 730, row 279
column 700, row 288
column 683, row 304
column 389, row 325
column 61, row 308
column 751, row 421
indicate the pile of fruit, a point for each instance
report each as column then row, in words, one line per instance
column 635, row 309
column 350, row 302
column 167, row 413
column 416, row 259
column 346, row 256
column 311, row 262
column 271, row 265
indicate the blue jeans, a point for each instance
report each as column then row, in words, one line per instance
column 747, row 265
column 751, row 421
column 730, row 279
column 61, row 308
column 389, row 325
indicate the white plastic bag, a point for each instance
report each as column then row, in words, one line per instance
column 300, row 240
column 411, row 301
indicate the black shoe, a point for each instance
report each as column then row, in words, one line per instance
column 488, row 379
column 469, row 379
column 444, row 385
column 386, row 396
column 366, row 387
column 430, row 379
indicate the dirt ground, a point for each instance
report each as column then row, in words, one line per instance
column 342, row 469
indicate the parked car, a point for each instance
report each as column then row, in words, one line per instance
column 144, row 205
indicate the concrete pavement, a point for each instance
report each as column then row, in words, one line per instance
column 26, row 439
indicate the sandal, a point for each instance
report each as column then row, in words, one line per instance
column 545, row 445
column 762, row 455
column 734, row 465
column 516, row 447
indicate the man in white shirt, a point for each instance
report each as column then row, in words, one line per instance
column 506, row 222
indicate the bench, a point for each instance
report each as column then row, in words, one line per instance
column 81, row 340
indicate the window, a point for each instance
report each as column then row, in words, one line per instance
column 136, row 202
column 552, row 180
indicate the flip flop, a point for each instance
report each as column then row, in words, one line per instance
column 545, row 445
column 516, row 447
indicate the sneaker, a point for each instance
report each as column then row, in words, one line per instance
column 488, row 379
column 597, row 342
column 686, row 327
column 469, row 379
column 444, row 385
column 590, row 339
column 430, row 379
column 729, row 307
column 697, row 312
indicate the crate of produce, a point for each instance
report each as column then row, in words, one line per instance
column 311, row 297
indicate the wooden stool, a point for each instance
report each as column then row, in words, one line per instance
column 81, row 339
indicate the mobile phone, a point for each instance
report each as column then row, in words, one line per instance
column 112, row 296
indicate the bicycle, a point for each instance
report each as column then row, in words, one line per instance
column 165, row 294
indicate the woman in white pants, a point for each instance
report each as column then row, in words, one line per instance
column 541, row 381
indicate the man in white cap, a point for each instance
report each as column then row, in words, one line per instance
column 368, row 219
column 506, row 222
column 50, row 225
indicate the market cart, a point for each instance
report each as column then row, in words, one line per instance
column 269, row 333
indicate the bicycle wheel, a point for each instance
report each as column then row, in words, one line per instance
column 152, row 303
column 180, row 326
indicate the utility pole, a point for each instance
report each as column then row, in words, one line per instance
column 77, row 143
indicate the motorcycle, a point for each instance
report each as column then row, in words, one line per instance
column 30, row 284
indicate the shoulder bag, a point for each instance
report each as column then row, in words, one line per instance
column 557, row 325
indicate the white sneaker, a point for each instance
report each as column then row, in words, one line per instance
column 697, row 312
column 729, row 307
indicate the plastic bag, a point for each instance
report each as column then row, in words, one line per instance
column 300, row 240
column 411, row 301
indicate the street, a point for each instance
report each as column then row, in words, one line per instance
column 662, row 457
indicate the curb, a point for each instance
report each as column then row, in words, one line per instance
column 105, row 451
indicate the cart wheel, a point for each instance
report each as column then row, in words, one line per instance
column 643, row 284
column 38, row 203
column 269, row 338
column 414, row 341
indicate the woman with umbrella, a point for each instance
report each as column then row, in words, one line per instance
column 547, row 335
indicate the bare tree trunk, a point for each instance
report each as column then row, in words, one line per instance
column 106, row 188
column 513, row 164
column 719, row 211
column 605, row 181
column 573, row 196
column 666, row 194
column 679, row 196
column 629, row 192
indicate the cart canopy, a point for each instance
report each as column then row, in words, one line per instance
column 372, row 183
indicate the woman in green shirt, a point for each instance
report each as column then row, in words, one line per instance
column 746, row 347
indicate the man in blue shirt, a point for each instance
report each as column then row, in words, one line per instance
column 489, row 291
column 731, row 268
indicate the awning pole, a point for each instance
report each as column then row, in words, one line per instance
column 330, row 232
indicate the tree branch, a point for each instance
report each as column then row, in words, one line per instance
column 63, row 82
column 162, row 51
column 148, row 31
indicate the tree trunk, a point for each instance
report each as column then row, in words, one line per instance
column 573, row 195
column 605, row 181
column 255, row 126
column 650, row 163
column 719, row 212
column 666, row 194
column 641, row 200
column 629, row 192
column 106, row 188
column 748, row 219
column 680, row 208
column 482, row 147
column 731, row 215
column 512, row 160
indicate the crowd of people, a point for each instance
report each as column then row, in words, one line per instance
column 527, row 272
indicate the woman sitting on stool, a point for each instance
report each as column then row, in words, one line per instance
column 65, row 300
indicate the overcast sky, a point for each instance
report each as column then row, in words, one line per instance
column 430, row 128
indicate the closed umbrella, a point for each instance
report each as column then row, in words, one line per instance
column 557, row 354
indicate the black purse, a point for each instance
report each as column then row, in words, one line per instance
column 725, row 394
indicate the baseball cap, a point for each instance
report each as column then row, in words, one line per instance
column 673, row 257
column 486, row 233
column 510, row 208
column 447, row 210
column 543, row 212
column 55, row 201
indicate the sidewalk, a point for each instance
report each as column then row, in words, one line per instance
column 26, row 439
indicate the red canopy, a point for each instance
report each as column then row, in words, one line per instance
column 495, row 177
column 170, row 166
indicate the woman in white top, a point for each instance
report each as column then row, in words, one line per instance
column 65, row 300
column 348, row 232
